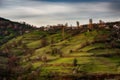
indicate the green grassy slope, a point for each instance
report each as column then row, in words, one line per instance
column 89, row 48
column 81, row 46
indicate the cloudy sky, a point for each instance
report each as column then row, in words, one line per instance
column 50, row 12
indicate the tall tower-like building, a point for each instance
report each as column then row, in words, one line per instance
column 90, row 24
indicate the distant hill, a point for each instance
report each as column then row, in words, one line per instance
column 10, row 29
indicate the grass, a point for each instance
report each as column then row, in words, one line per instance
column 35, row 44
column 105, row 51
column 87, row 62
column 93, row 46
column 80, row 60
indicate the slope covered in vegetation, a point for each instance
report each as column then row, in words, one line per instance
column 10, row 29
column 47, row 54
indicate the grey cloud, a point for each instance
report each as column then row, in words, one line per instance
column 1, row 1
column 44, row 13
column 115, row 5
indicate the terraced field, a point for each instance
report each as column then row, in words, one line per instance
column 90, row 50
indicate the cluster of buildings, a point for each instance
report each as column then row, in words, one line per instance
column 91, row 25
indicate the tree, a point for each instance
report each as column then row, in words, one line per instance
column 20, row 42
column 13, row 67
column 24, row 46
column 19, row 78
column 29, row 51
column 13, row 61
column 90, row 26
column 52, row 41
column 44, row 42
column 77, row 23
column 63, row 32
column 75, row 62
column 44, row 59
column 66, row 25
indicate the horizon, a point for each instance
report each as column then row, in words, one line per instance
column 69, row 25
column 52, row 12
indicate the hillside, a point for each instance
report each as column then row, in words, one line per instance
column 78, row 53
column 10, row 29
